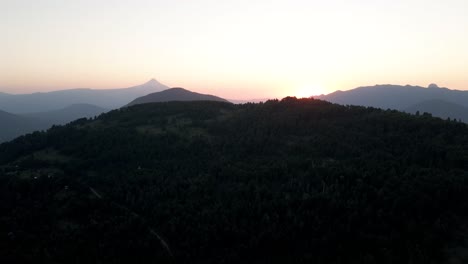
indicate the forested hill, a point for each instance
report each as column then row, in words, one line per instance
column 175, row 94
column 290, row 181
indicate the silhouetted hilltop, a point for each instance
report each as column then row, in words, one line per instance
column 175, row 94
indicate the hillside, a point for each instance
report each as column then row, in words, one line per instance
column 13, row 125
column 396, row 96
column 441, row 108
column 50, row 101
column 175, row 94
column 290, row 181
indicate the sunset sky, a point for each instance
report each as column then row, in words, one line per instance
column 235, row 49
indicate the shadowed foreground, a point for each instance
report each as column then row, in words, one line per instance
column 290, row 181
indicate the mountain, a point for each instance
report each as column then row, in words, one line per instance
column 395, row 96
column 283, row 181
column 50, row 101
column 441, row 108
column 175, row 94
column 12, row 125
column 68, row 114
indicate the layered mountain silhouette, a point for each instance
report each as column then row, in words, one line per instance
column 68, row 114
column 25, row 113
column 175, row 94
column 441, row 102
column 22, row 122
column 14, row 125
column 50, row 101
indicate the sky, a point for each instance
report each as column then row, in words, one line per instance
column 236, row 49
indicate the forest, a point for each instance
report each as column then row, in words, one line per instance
column 283, row 181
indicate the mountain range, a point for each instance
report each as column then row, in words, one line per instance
column 39, row 111
column 440, row 102
column 50, row 101
column 24, row 113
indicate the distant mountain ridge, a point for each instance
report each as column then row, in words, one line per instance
column 68, row 114
column 12, row 125
column 175, row 94
column 51, row 101
column 15, row 125
column 403, row 98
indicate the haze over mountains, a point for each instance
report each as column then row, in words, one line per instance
column 441, row 108
column 441, row 102
column 67, row 114
column 12, row 125
column 49, row 101
column 26, row 113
